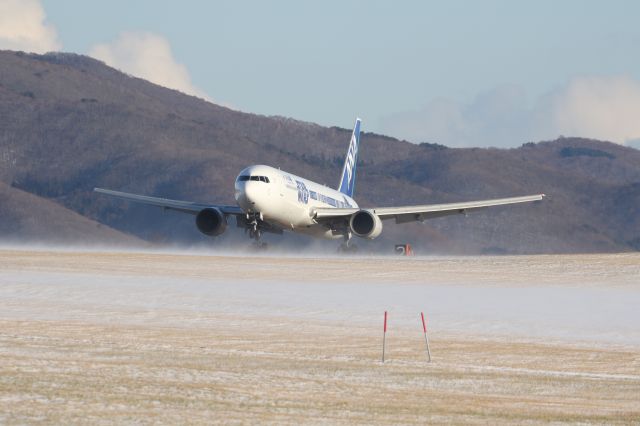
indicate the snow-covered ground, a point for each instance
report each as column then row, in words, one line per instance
column 90, row 337
column 590, row 299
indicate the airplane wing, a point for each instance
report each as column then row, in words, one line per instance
column 181, row 206
column 422, row 212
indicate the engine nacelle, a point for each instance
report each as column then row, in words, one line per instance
column 211, row 222
column 365, row 224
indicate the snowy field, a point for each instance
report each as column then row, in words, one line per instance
column 126, row 337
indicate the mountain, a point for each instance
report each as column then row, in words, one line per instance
column 27, row 218
column 69, row 123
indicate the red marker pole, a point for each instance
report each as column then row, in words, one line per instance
column 426, row 339
column 384, row 334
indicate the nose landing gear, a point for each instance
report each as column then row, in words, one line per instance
column 255, row 233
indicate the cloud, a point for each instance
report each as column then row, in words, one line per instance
column 23, row 27
column 148, row 56
column 598, row 107
column 606, row 108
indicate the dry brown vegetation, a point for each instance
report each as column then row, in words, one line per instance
column 275, row 371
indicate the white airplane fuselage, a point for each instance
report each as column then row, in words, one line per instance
column 286, row 200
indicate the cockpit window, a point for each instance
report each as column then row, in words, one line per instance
column 245, row 178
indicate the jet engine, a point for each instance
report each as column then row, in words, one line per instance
column 211, row 222
column 365, row 224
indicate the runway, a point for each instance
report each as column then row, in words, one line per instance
column 117, row 337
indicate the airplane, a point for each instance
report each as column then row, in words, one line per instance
column 272, row 200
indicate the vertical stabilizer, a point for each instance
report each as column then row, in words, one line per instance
column 348, row 178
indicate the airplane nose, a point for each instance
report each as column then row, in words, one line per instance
column 250, row 192
column 246, row 195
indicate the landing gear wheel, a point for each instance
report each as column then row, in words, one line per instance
column 259, row 246
column 255, row 234
column 347, row 248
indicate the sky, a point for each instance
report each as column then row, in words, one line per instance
column 461, row 73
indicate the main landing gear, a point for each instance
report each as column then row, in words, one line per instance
column 347, row 246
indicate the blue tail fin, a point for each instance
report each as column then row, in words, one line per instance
column 348, row 178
